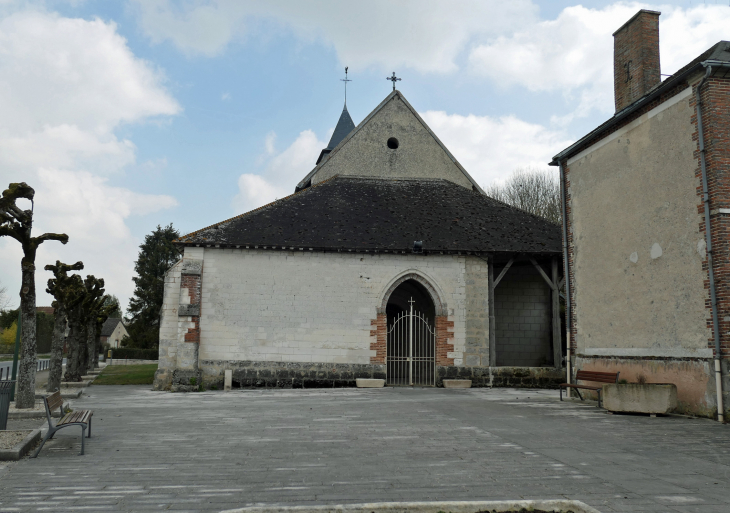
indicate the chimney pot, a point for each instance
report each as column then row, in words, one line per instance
column 636, row 58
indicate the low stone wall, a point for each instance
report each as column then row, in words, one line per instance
column 118, row 361
column 512, row 377
column 250, row 374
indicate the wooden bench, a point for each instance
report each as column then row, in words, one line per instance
column 76, row 418
column 594, row 376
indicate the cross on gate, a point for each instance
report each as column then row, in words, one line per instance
column 393, row 79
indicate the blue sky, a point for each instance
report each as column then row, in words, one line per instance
column 126, row 115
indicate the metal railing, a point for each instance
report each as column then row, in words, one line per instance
column 42, row 365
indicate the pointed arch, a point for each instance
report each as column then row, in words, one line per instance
column 436, row 295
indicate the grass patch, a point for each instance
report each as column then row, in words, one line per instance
column 127, row 375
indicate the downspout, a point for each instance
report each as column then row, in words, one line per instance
column 708, row 240
column 565, row 271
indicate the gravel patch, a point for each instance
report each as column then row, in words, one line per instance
column 9, row 439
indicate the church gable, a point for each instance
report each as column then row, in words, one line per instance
column 392, row 142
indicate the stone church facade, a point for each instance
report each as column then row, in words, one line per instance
column 307, row 291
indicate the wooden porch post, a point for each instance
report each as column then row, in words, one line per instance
column 492, row 323
column 557, row 343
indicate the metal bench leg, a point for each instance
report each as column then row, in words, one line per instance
column 561, row 393
column 83, row 433
column 49, row 433
column 579, row 394
column 599, row 398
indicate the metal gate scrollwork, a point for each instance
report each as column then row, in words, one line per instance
column 411, row 350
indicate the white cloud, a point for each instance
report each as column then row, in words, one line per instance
column 426, row 35
column 491, row 148
column 574, row 53
column 282, row 171
column 65, row 86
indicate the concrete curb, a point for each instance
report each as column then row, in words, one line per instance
column 22, row 448
column 35, row 414
column 65, row 394
column 554, row 506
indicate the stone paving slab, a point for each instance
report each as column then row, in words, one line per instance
column 213, row 451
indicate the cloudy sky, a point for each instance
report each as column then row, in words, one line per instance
column 126, row 115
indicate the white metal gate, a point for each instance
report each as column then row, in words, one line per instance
column 411, row 350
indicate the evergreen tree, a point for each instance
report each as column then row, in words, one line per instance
column 157, row 254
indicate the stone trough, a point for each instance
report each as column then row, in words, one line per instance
column 544, row 506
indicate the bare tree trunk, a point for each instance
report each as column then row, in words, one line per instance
column 97, row 348
column 90, row 343
column 56, row 363
column 75, row 335
column 27, row 363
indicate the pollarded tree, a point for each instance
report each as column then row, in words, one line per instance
column 93, row 302
column 18, row 224
column 59, row 287
column 76, row 293
column 107, row 309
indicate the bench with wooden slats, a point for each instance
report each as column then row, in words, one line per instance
column 75, row 418
column 593, row 376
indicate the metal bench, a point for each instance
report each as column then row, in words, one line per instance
column 76, row 418
column 594, row 376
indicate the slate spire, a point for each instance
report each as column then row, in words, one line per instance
column 343, row 128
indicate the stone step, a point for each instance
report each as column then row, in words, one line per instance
column 75, row 384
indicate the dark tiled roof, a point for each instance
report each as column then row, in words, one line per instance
column 356, row 213
column 109, row 326
column 45, row 309
column 718, row 52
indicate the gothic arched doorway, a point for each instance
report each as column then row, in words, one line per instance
column 411, row 341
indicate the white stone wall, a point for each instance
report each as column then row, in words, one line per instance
column 169, row 319
column 300, row 306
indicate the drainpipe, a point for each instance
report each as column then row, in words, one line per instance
column 708, row 239
column 565, row 271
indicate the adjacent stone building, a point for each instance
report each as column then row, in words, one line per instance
column 388, row 262
column 648, row 259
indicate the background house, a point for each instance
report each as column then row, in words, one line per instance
column 113, row 331
column 647, row 296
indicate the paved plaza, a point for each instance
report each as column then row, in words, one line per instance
column 212, row 451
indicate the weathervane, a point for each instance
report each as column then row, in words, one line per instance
column 393, row 79
column 345, row 80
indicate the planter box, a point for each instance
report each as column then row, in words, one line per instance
column 370, row 383
column 457, row 383
column 21, row 448
column 648, row 398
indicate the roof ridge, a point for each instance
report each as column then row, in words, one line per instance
column 239, row 216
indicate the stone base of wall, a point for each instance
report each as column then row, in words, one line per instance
column 512, row 377
column 694, row 378
column 250, row 374
column 185, row 380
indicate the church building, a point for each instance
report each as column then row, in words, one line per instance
column 387, row 262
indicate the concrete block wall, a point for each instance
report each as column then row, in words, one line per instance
column 300, row 306
column 523, row 318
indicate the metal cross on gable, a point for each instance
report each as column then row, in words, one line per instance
column 393, row 79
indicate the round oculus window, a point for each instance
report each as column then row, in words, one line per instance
column 392, row 143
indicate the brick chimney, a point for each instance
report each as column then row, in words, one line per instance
column 636, row 58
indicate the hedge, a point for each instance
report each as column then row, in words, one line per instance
column 132, row 353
